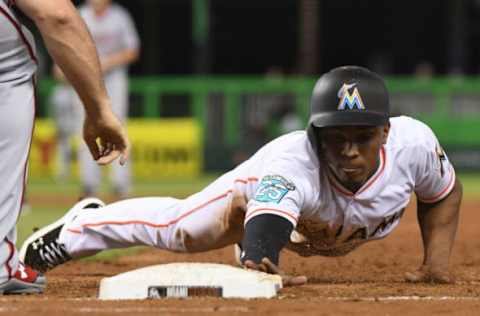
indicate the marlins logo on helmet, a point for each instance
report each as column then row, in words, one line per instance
column 350, row 100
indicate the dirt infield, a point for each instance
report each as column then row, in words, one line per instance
column 369, row 281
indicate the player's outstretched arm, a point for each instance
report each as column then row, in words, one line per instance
column 269, row 267
column 265, row 236
column 438, row 224
column 71, row 46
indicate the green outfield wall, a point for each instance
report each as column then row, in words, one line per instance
column 224, row 106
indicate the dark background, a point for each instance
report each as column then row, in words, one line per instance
column 252, row 36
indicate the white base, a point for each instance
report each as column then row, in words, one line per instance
column 189, row 280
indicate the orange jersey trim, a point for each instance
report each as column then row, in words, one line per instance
column 250, row 179
column 438, row 196
column 155, row 225
column 159, row 225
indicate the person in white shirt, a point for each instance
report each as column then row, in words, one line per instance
column 118, row 44
column 344, row 181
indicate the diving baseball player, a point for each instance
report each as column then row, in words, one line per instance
column 70, row 45
column 344, row 181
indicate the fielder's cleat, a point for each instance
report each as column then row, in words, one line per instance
column 24, row 281
column 42, row 250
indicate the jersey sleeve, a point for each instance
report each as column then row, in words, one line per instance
column 435, row 175
column 130, row 34
column 278, row 193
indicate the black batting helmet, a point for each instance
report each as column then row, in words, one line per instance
column 346, row 96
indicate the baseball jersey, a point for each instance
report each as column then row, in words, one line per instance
column 330, row 220
column 17, row 48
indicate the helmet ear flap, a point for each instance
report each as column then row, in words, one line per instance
column 313, row 134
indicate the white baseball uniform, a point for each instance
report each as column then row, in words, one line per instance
column 17, row 111
column 284, row 178
column 112, row 32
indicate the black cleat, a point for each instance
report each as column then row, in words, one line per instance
column 42, row 250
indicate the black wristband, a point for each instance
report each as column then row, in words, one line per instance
column 265, row 235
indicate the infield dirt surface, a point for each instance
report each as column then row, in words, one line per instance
column 369, row 281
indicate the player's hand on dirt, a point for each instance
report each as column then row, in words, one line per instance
column 426, row 274
column 269, row 267
column 106, row 138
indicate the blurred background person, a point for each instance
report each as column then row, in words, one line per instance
column 66, row 126
column 424, row 70
column 118, row 45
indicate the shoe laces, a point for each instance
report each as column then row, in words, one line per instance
column 54, row 253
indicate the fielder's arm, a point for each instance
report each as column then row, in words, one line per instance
column 58, row 74
column 438, row 224
column 71, row 46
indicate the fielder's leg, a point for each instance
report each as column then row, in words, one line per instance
column 16, row 126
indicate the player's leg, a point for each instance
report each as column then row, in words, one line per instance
column 42, row 249
column 206, row 220
column 117, row 87
column 16, row 125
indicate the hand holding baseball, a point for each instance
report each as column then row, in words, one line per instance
column 106, row 138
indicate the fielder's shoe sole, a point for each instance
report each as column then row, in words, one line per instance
column 41, row 248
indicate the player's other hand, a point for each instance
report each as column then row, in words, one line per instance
column 427, row 274
column 106, row 138
column 267, row 266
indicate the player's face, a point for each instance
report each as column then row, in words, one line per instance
column 352, row 152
